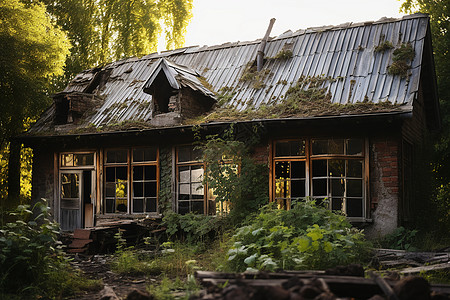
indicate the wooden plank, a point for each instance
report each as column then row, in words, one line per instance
column 88, row 215
column 425, row 268
column 82, row 234
column 76, row 243
column 77, row 250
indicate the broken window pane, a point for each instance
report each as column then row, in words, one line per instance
column 197, row 207
column 337, row 174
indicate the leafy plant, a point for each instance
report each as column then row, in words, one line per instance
column 238, row 182
column 400, row 239
column 31, row 257
column 306, row 237
column 193, row 228
column 165, row 289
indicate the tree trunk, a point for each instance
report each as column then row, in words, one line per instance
column 13, row 175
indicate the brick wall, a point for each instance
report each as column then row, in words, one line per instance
column 384, row 185
column 260, row 154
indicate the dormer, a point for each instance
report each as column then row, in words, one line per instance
column 177, row 93
column 71, row 107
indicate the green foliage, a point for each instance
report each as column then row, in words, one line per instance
column 254, row 77
column 103, row 31
column 402, row 58
column 237, row 181
column 32, row 51
column 400, row 239
column 284, row 54
column 193, row 228
column 165, row 289
column 384, row 46
column 31, row 258
column 306, row 237
column 309, row 96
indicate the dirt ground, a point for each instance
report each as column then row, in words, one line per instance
column 98, row 267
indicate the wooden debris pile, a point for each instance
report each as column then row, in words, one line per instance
column 408, row 263
column 317, row 285
column 102, row 238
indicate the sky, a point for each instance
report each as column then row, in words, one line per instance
column 216, row 22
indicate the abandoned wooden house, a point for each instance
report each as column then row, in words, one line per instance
column 343, row 113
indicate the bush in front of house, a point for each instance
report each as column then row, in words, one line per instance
column 31, row 258
column 308, row 236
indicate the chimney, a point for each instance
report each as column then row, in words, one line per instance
column 260, row 55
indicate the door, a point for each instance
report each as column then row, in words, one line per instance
column 70, row 199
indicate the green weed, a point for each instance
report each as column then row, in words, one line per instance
column 32, row 263
column 305, row 237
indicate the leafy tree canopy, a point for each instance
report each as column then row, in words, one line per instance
column 32, row 51
column 102, row 31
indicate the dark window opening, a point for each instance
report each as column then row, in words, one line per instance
column 61, row 110
column 162, row 94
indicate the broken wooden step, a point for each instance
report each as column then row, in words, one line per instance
column 80, row 241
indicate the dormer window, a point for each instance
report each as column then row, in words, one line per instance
column 177, row 93
column 70, row 107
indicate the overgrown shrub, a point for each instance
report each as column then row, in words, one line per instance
column 31, row 258
column 193, row 228
column 236, row 179
column 307, row 236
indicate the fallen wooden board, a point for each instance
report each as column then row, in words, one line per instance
column 416, row 270
column 342, row 286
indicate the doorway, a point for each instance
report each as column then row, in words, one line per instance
column 76, row 199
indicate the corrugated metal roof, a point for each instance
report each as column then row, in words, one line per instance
column 345, row 53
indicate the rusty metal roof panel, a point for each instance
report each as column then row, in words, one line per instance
column 345, row 53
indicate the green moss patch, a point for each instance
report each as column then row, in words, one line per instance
column 307, row 98
column 402, row 58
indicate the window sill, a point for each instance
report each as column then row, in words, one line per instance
column 359, row 220
column 128, row 216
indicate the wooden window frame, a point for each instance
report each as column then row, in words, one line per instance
column 309, row 158
column 129, row 165
column 143, row 164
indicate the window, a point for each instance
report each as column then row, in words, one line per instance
column 77, row 160
column 290, row 172
column 145, row 180
column 131, row 180
column 190, row 191
column 116, row 181
column 331, row 169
